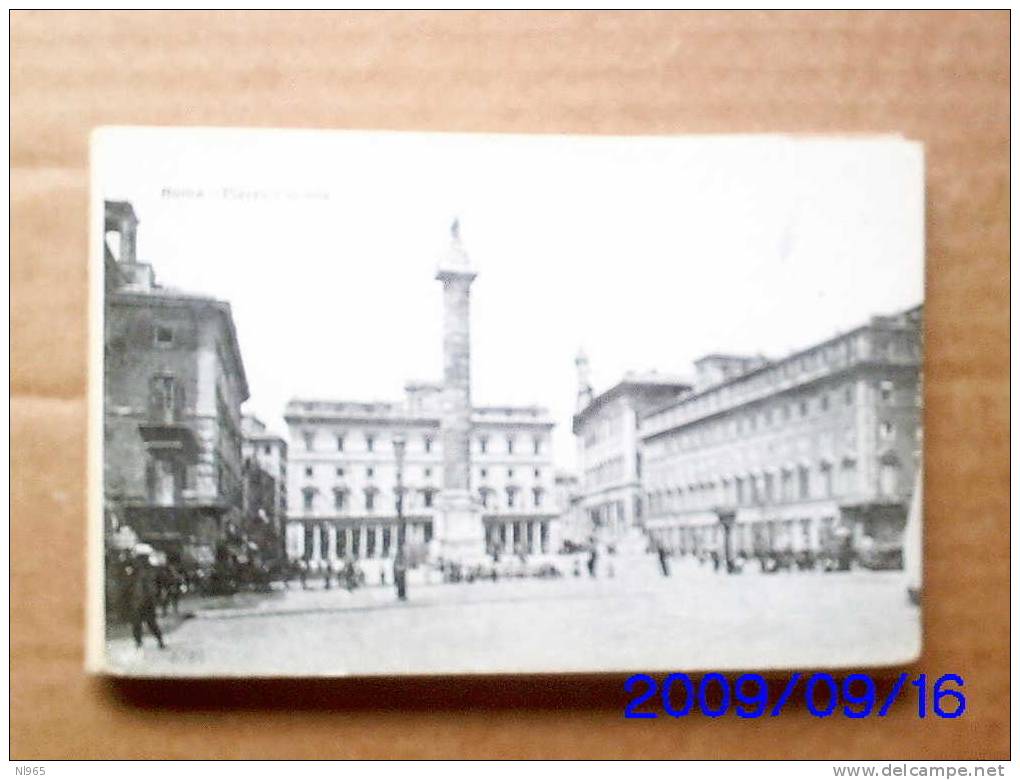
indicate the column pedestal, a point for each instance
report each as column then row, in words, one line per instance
column 462, row 537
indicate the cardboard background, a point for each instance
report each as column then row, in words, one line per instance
column 942, row 78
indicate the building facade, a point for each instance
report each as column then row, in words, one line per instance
column 790, row 456
column 265, row 485
column 174, row 383
column 607, row 429
column 343, row 476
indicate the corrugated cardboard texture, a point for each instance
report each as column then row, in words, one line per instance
column 942, row 78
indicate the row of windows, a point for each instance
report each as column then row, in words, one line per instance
column 341, row 471
column 771, row 417
column 776, row 412
column 372, row 442
column 424, row 498
column 342, row 498
column 782, row 486
column 488, row 498
column 668, row 468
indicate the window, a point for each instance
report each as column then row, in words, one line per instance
column 538, row 473
column 509, row 473
column 823, row 402
column 339, row 472
column 483, row 444
column 308, row 471
column 511, row 497
column 803, row 485
column 885, row 390
column 785, row 494
column 428, row 444
column 538, row 445
column 803, row 408
column 848, row 395
column 370, row 443
column 510, row 445
column 826, row 472
column 268, row 450
column 428, row 472
column 849, row 476
column 309, row 437
column 164, row 398
column 483, row 495
column 369, row 501
column 308, row 495
column 339, row 443
column 164, row 336
column 889, row 477
column 484, row 473
column 370, row 472
column 537, row 495
column 339, row 499
column 886, row 430
column 427, row 496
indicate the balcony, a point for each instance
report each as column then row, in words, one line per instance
column 166, row 435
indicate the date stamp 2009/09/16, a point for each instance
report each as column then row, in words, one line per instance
column 749, row 696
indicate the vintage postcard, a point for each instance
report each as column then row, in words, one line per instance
column 377, row 403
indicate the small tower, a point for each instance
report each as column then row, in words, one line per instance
column 584, row 389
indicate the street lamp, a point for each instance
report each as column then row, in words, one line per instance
column 727, row 519
column 400, row 561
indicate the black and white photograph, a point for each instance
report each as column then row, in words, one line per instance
column 382, row 403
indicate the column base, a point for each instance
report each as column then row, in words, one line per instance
column 462, row 538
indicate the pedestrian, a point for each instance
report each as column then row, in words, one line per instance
column 302, row 569
column 175, row 585
column 593, row 559
column 141, row 595
column 400, row 575
column 663, row 560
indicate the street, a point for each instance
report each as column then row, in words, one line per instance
column 637, row 621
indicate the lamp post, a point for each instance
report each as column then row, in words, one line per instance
column 727, row 519
column 400, row 560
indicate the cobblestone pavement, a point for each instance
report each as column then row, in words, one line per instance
column 638, row 620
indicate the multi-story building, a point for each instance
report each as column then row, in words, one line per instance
column 265, row 482
column 343, row 475
column 174, row 385
column 607, row 427
column 781, row 456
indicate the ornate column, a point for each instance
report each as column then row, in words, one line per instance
column 459, row 528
